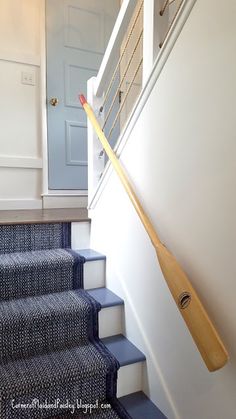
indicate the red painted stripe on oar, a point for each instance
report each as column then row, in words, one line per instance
column 82, row 100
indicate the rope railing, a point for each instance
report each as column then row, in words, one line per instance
column 128, row 66
column 107, row 116
column 188, row 302
column 123, row 78
column 126, row 71
column 167, row 3
column 164, row 7
column 121, row 56
column 125, row 98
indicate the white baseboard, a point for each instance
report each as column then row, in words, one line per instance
column 62, row 201
column 20, row 204
column 68, row 192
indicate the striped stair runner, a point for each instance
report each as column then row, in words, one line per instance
column 52, row 364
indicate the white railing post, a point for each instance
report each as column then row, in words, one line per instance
column 96, row 157
column 154, row 29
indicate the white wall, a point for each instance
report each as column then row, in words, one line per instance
column 20, row 138
column 181, row 158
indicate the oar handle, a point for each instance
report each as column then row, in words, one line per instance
column 199, row 324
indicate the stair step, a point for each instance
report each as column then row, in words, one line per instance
column 131, row 360
column 57, row 375
column 95, row 262
column 106, row 297
column 46, row 323
column 27, row 237
column 94, row 268
column 111, row 317
column 38, row 272
column 43, row 216
column 91, row 255
column 139, row 406
column 123, row 350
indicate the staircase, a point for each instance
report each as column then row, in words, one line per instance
column 50, row 325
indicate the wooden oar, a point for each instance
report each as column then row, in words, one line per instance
column 195, row 316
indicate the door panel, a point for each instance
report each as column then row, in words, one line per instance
column 77, row 34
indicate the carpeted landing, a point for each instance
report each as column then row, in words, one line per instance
column 52, row 364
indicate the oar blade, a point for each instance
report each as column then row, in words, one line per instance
column 195, row 316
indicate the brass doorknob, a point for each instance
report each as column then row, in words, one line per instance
column 54, row 101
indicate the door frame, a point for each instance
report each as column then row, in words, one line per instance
column 43, row 99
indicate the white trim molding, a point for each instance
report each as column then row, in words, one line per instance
column 21, row 162
column 66, row 192
column 65, row 201
column 16, row 57
column 43, row 97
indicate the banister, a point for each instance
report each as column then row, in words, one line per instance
column 194, row 314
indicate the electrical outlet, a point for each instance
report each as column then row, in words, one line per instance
column 28, row 78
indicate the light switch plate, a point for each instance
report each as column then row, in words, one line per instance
column 28, row 78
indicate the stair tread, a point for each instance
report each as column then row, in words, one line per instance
column 91, row 255
column 39, row 272
column 124, row 351
column 105, row 297
column 139, row 406
column 33, row 307
column 43, row 216
column 52, row 369
column 20, row 259
column 40, row 324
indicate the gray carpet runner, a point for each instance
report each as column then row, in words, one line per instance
column 27, row 237
column 39, row 272
column 42, row 324
column 52, row 364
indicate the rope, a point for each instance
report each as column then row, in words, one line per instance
column 123, row 77
column 121, row 56
column 176, row 13
column 162, row 11
column 167, row 2
column 124, row 100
